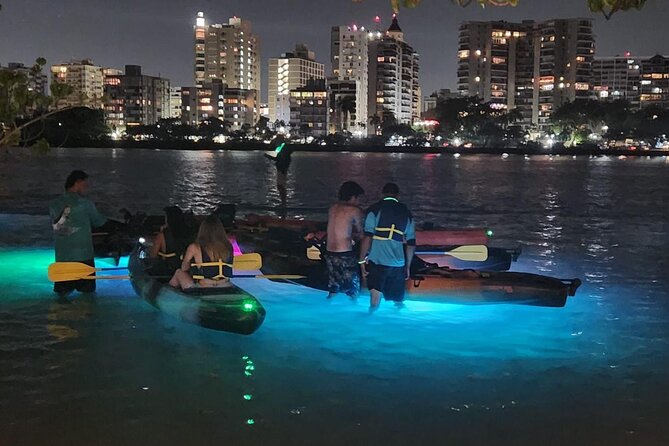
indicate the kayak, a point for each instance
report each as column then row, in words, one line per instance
column 229, row 309
column 292, row 242
column 438, row 284
column 432, row 237
column 499, row 259
column 428, row 282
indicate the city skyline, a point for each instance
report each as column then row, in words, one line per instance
column 140, row 37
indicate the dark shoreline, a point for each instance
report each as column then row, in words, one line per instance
column 252, row 145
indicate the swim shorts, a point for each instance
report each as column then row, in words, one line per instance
column 343, row 272
column 389, row 280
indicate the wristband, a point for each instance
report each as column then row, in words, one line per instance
column 362, row 262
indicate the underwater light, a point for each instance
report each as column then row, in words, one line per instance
column 248, row 306
column 489, row 233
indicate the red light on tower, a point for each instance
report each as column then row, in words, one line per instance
column 377, row 19
column 628, row 53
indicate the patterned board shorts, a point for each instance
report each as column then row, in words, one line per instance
column 343, row 272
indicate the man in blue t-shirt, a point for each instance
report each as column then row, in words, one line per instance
column 388, row 247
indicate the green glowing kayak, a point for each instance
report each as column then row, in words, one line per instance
column 228, row 309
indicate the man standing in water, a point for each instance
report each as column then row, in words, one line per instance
column 282, row 163
column 72, row 218
column 388, row 247
column 344, row 226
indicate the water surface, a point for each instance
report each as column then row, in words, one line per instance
column 112, row 370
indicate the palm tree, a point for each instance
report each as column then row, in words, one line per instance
column 346, row 106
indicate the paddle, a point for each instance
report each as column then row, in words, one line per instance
column 469, row 253
column 268, row 276
column 66, row 271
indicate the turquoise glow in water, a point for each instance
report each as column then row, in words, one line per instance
column 113, row 370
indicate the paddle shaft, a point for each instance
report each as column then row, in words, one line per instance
column 267, row 276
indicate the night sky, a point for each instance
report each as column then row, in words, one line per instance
column 157, row 34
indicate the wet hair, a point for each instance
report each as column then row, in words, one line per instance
column 213, row 240
column 73, row 177
column 350, row 189
column 391, row 190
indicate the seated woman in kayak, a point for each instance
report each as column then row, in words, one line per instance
column 171, row 242
column 206, row 262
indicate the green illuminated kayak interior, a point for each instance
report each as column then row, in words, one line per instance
column 229, row 309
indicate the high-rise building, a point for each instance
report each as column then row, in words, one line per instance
column 496, row 63
column 342, row 97
column 615, row 78
column 654, row 85
column 114, row 103
column 215, row 100
column 393, row 76
column 534, row 67
column 229, row 52
column 349, row 57
column 309, row 107
column 133, row 98
column 36, row 82
column 564, row 50
column 86, row 80
column 286, row 73
column 174, row 111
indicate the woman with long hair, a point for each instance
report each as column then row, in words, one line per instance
column 206, row 262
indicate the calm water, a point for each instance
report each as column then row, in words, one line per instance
column 112, row 370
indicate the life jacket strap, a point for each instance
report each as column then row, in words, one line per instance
column 391, row 232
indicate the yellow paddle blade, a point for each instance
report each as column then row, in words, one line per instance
column 313, row 253
column 469, row 253
column 247, row 262
column 65, row 271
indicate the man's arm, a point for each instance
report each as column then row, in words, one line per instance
column 95, row 217
column 409, row 246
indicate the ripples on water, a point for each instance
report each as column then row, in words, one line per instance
column 110, row 370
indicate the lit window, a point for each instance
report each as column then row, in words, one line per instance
column 463, row 54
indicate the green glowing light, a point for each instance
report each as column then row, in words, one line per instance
column 250, row 367
column 250, row 421
column 247, row 373
column 245, row 358
column 489, row 233
column 248, row 397
column 279, row 148
column 248, row 306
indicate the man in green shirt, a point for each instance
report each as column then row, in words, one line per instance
column 72, row 218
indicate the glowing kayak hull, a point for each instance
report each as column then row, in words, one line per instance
column 472, row 287
column 428, row 283
column 229, row 309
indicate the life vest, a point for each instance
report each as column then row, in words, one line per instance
column 392, row 218
column 217, row 270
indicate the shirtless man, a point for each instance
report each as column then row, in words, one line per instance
column 345, row 219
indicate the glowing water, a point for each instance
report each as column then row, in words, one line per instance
column 112, row 370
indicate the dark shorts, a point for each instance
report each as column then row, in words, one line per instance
column 389, row 280
column 343, row 272
column 83, row 286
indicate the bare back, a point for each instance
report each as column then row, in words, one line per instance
column 344, row 226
